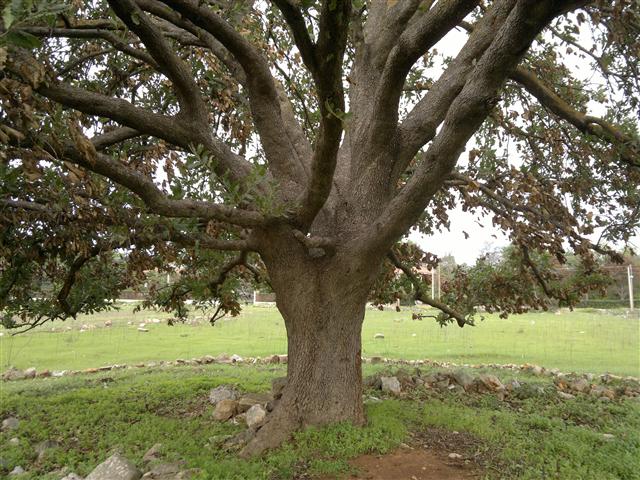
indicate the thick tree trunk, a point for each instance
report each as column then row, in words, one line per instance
column 323, row 312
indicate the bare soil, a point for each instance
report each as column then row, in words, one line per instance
column 415, row 464
column 426, row 459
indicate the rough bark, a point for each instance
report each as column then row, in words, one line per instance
column 322, row 301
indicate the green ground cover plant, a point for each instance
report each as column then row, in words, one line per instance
column 529, row 437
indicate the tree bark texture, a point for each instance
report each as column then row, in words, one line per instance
column 323, row 302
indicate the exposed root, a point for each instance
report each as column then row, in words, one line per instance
column 278, row 429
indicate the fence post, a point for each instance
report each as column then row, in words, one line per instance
column 630, row 278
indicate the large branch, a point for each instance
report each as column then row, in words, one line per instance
column 385, row 24
column 466, row 113
column 170, row 64
column 263, row 94
column 156, row 200
column 629, row 148
column 414, row 42
column 173, row 130
column 159, row 233
column 329, row 54
column 422, row 123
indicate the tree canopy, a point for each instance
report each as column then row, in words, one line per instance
column 173, row 135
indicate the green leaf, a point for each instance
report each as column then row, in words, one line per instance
column 22, row 39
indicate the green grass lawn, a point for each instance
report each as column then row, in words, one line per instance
column 583, row 340
column 530, row 437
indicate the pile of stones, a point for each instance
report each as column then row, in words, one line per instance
column 567, row 387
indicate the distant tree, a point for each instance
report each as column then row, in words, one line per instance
column 296, row 142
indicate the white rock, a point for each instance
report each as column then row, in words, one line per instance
column 10, row 423
column 255, row 417
column 223, row 392
column 390, row 384
column 236, row 358
column 455, row 456
column 378, row 335
column 116, row 467
column 608, row 436
column 72, row 476
column 17, row 471
column 140, row 329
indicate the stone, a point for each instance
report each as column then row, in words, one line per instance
column 30, row 373
column 152, row 454
column 15, row 441
column 163, row 471
column 10, row 423
column 442, row 384
column 13, row 374
column 378, row 336
column 536, row 370
column 375, row 360
column 274, row 359
column 256, row 416
column 454, row 456
column 579, row 385
column 18, row 470
column 225, row 409
column 513, row 385
column 249, row 400
column 490, row 382
column 602, row 392
column 283, row 358
column 608, row 436
column 72, row 476
column 142, row 329
column 566, row 396
column 222, row 392
column 463, row 379
column 390, row 384
column 223, row 358
column 277, row 386
column 43, row 447
column 116, row 467
column 236, row 358
column 208, row 359
column 371, row 399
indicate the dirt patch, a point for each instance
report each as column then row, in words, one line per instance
column 413, row 464
column 427, row 458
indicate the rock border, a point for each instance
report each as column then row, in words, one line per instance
column 13, row 374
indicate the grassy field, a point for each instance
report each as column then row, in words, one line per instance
column 531, row 437
column 584, row 340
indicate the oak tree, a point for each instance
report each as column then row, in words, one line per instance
column 295, row 143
